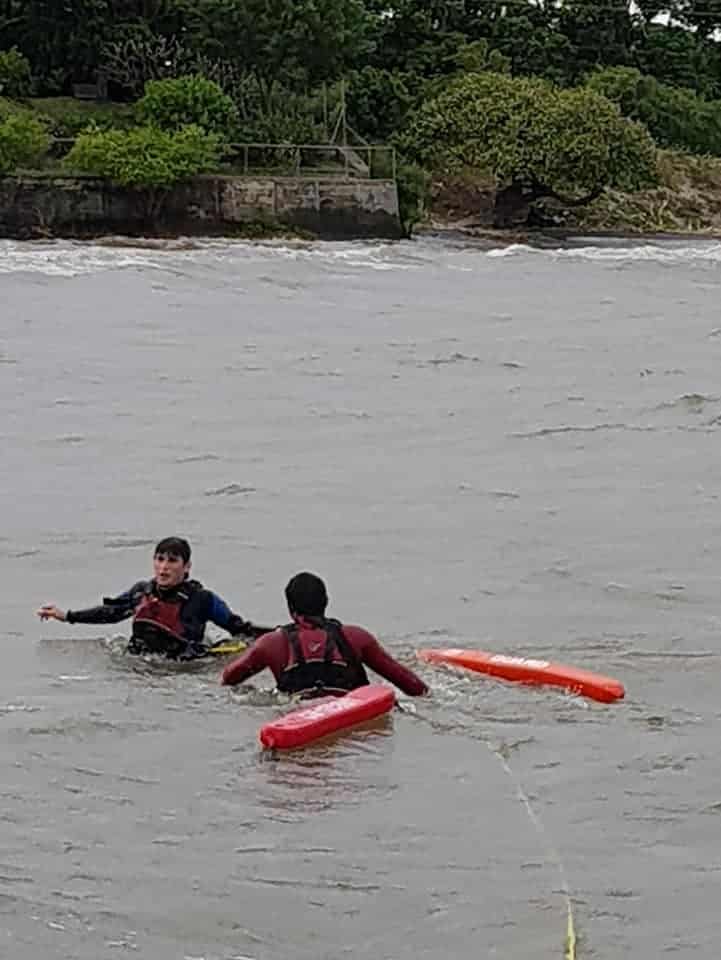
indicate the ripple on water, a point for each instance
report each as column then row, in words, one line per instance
column 406, row 801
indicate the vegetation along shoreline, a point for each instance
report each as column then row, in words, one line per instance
column 368, row 120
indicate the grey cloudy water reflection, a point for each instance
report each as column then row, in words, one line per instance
column 512, row 449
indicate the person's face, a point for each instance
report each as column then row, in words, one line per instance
column 169, row 569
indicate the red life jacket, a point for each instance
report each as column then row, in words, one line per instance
column 334, row 669
column 157, row 624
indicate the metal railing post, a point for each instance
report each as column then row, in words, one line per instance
column 291, row 157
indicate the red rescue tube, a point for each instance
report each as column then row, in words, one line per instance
column 326, row 715
column 530, row 671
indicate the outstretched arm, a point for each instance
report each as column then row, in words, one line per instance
column 111, row 610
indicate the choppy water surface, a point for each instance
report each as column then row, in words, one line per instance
column 513, row 449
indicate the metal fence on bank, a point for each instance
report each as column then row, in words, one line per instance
column 329, row 160
column 370, row 161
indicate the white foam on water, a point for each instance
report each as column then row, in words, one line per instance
column 512, row 250
column 64, row 259
column 68, row 258
column 77, row 258
column 663, row 252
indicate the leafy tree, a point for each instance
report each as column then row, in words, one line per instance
column 377, row 101
column 286, row 42
column 601, row 32
column 477, row 57
column 422, row 36
column 64, row 42
column 23, row 141
column 534, row 139
column 680, row 58
column 61, row 41
column 534, row 46
column 676, row 117
column 702, row 16
column 15, row 78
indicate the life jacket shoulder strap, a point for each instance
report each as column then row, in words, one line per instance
column 291, row 632
column 335, row 640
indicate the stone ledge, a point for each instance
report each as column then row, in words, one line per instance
column 37, row 205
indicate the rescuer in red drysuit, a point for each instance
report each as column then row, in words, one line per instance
column 314, row 655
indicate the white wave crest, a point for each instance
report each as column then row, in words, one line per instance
column 63, row 259
column 512, row 250
column 662, row 252
column 67, row 258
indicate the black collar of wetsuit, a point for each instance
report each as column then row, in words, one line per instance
column 181, row 590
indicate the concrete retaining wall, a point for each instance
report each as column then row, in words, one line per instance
column 79, row 206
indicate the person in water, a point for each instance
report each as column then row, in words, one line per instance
column 314, row 655
column 169, row 612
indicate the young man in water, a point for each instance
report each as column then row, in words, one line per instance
column 314, row 655
column 169, row 612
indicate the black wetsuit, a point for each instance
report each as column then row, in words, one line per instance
column 169, row 621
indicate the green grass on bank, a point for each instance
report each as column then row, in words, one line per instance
column 66, row 116
column 9, row 107
column 69, row 116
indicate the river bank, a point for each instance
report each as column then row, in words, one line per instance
column 42, row 206
column 685, row 202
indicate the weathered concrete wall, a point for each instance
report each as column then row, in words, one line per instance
column 78, row 206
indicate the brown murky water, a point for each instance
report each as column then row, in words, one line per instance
column 514, row 450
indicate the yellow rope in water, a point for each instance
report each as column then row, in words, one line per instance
column 571, row 942
column 570, row 946
column 570, row 935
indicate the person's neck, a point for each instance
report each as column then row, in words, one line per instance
column 308, row 619
column 169, row 588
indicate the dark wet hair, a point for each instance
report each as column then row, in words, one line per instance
column 306, row 594
column 174, row 547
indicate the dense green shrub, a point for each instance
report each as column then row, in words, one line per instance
column 23, row 141
column 146, row 156
column 413, row 184
column 15, row 77
column 172, row 104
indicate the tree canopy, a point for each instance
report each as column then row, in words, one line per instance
column 306, row 42
column 556, row 97
column 535, row 140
